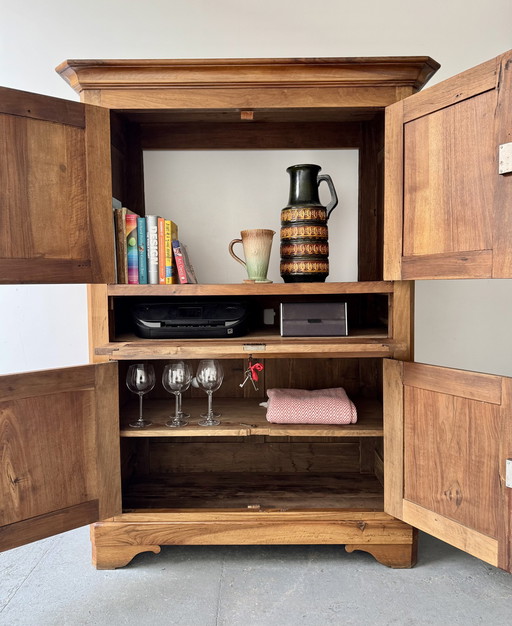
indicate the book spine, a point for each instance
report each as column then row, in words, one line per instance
column 152, row 248
column 141, row 249
column 182, row 273
column 168, row 252
column 161, row 251
column 132, row 255
column 116, row 204
column 189, row 268
column 174, row 235
column 122, row 261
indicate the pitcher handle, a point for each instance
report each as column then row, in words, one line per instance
column 334, row 198
column 237, row 258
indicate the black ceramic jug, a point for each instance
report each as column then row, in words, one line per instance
column 304, row 233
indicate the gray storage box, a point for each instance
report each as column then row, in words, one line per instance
column 314, row 319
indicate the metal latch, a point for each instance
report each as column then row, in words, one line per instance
column 505, row 158
column 508, row 473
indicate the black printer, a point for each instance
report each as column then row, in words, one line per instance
column 190, row 320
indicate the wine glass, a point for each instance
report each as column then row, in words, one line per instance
column 176, row 379
column 209, row 377
column 140, row 379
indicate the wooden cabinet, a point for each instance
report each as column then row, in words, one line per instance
column 430, row 446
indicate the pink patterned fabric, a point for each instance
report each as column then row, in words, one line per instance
column 299, row 406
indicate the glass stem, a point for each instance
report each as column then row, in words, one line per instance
column 141, row 395
column 210, row 409
column 178, row 407
column 177, row 410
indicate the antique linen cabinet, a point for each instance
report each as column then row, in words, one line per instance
column 429, row 450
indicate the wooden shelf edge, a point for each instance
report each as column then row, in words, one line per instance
column 158, row 429
column 248, row 289
column 151, row 516
column 128, row 353
column 330, row 347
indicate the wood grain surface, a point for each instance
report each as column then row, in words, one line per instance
column 248, row 289
column 393, row 191
column 116, row 541
column 443, row 191
column 56, row 220
column 59, row 431
column 471, row 385
column 206, row 490
column 393, row 438
column 456, row 439
column 448, row 191
column 177, row 456
column 451, row 461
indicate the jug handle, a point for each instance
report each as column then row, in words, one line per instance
column 334, row 198
column 237, row 258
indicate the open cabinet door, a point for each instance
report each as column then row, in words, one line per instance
column 55, row 191
column 59, row 451
column 447, row 206
column 448, row 434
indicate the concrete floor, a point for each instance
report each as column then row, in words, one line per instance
column 51, row 583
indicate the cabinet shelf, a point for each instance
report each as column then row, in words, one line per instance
column 370, row 308
column 253, row 289
column 255, row 490
column 242, row 417
column 364, row 343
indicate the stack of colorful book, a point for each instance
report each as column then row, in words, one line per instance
column 148, row 251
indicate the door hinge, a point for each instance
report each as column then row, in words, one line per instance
column 505, row 158
column 508, row 473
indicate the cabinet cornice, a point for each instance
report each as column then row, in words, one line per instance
column 413, row 72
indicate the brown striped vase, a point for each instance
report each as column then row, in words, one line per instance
column 304, row 233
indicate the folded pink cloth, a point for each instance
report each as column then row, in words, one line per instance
column 299, row 406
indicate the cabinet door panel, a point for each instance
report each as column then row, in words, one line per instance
column 446, row 208
column 447, row 200
column 55, row 191
column 60, row 451
column 455, row 437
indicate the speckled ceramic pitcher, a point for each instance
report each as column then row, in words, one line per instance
column 304, row 235
column 257, row 244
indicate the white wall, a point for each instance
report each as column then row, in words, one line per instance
column 35, row 36
column 213, row 195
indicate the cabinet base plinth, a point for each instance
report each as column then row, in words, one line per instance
column 112, row 557
column 397, row 556
column 115, row 542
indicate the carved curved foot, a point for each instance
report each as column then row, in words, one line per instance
column 110, row 557
column 392, row 555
